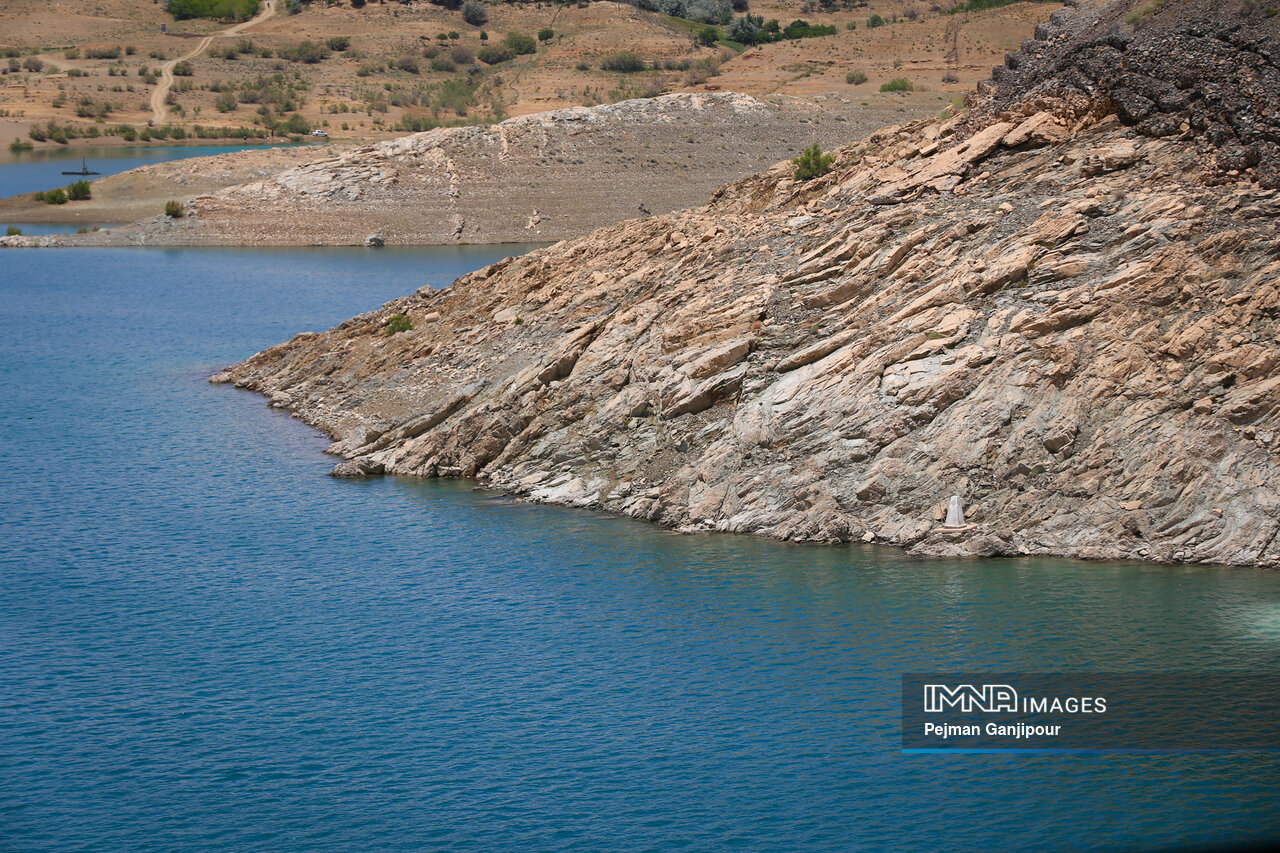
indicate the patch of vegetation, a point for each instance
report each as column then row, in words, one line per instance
column 338, row 44
column 58, row 196
column 812, row 163
column 174, row 209
column 897, row 84
column 492, row 54
column 698, row 11
column 225, row 102
column 232, row 51
column 220, row 10
column 79, row 191
column 102, row 52
column 183, row 69
column 855, row 78
column 625, row 62
column 753, row 29
column 20, row 145
column 398, row 323
column 13, row 231
column 876, row 21
column 520, row 44
column 475, row 14
column 309, row 52
column 708, row 36
column 546, row 34
column 981, row 5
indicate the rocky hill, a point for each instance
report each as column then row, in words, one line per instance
column 1037, row 307
column 535, row 178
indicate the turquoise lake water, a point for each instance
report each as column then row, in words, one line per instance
column 207, row 644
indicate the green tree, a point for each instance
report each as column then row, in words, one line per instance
column 812, row 163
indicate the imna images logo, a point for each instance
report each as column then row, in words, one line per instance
column 968, row 698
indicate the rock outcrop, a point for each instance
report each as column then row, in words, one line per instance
column 1047, row 313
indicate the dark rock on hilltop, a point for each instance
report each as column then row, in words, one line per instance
column 1199, row 69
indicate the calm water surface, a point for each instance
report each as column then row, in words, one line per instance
column 29, row 171
column 206, row 644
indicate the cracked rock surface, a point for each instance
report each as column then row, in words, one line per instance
column 1051, row 315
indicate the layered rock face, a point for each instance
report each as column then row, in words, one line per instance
column 1046, row 313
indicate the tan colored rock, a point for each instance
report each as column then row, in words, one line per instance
column 838, row 358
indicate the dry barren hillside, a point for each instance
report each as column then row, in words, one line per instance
column 1063, row 307
column 104, row 67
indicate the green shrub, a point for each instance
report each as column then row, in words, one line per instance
column 398, row 323
column 546, row 34
column 462, row 55
column 338, row 43
column 79, row 191
column 173, row 209
column 442, row 64
column 812, row 163
column 708, row 36
column 13, row 231
column 520, row 44
column 19, row 145
column 183, row 69
column 475, row 13
column 495, row 53
column 58, row 196
column 226, row 102
column 624, row 61
column 897, row 84
column 855, row 78
column 876, row 21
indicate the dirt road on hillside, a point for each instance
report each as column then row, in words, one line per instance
column 160, row 109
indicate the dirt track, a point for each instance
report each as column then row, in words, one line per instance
column 159, row 107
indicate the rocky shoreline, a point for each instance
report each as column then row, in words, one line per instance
column 1067, row 321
